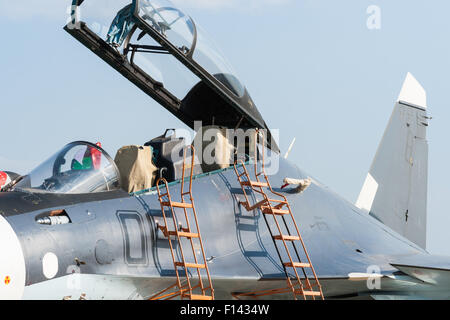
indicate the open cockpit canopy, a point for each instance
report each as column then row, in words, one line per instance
column 166, row 54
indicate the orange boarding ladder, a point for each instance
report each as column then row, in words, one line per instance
column 286, row 235
column 192, row 287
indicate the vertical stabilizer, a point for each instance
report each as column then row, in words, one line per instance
column 395, row 190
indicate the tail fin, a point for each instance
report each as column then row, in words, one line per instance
column 395, row 191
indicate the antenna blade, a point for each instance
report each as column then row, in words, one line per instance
column 290, row 148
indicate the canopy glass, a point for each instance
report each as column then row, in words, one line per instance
column 164, row 52
column 80, row 167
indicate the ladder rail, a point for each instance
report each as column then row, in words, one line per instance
column 191, row 147
column 204, row 259
column 288, row 254
column 167, row 225
column 187, row 290
column 268, row 207
column 263, row 172
column 241, row 163
column 265, row 200
column 308, row 284
column 304, row 247
column 183, row 194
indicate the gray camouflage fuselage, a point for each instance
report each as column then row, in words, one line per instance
column 115, row 242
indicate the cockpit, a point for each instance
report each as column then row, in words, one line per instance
column 83, row 167
column 168, row 56
column 80, row 167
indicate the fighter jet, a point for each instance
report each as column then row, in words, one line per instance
column 162, row 221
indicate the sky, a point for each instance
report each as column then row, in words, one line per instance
column 316, row 70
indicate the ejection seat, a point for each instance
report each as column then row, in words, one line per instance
column 216, row 150
column 168, row 156
column 136, row 168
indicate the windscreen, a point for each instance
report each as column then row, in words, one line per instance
column 80, row 167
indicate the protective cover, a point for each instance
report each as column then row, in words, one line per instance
column 218, row 152
column 136, row 168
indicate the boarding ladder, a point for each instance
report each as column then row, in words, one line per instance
column 192, row 287
column 285, row 234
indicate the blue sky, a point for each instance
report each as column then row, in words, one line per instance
column 313, row 67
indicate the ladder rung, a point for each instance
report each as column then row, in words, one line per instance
column 278, row 212
column 178, row 204
column 255, row 184
column 184, row 234
column 197, row 297
column 190, row 265
column 297, row 265
column 287, row 238
column 280, row 201
column 255, row 206
column 308, row 293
